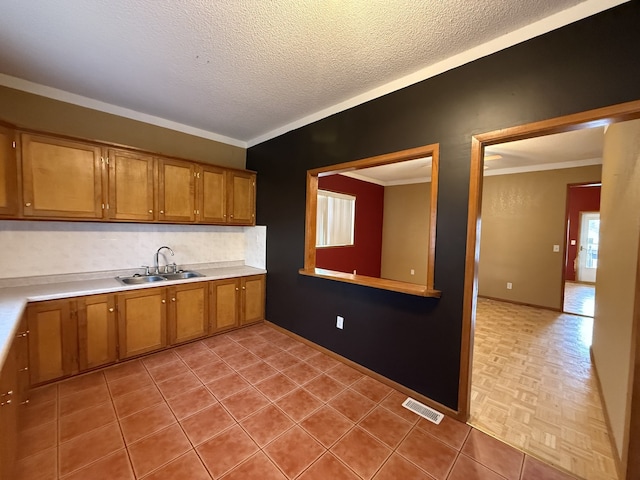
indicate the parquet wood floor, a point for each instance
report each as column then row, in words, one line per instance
column 534, row 388
column 579, row 298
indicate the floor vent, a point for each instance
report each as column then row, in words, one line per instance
column 423, row 410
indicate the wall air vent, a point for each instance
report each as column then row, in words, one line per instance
column 422, row 410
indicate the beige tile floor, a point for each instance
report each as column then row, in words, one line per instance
column 533, row 387
column 579, row 298
column 251, row 404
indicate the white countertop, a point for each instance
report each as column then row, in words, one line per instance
column 13, row 300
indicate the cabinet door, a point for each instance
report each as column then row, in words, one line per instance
column 253, row 295
column 53, row 340
column 212, row 194
column 61, row 178
column 8, row 173
column 131, row 186
column 9, row 400
column 241, row 198
column 188, row 312
column 97, row 341
column 225, row 297
column 141, row 322
column 176, row 190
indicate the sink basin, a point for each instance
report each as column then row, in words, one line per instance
column 181, row 275
column 142, row 279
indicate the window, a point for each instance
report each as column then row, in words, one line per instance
column 335, row 219
column 313, row 222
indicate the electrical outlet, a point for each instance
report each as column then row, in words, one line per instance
column 339, row 322
column 509, row 285
column 556, row 248
column 413, row 272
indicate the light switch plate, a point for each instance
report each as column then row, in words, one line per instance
column 556, row 248
column 339, row 322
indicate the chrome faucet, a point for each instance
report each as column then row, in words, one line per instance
column 155, row 259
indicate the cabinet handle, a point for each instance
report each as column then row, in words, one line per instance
column 236, row 289
column 244, row 288
column 162, row 211
column 26, row 402
column 111, row 309
column 164, row 301
column 150, row 211
column 28, row 204
column 25, row 369
column 8, row 394
column 8, row 402
column 173, row 299
column 231, row 215
column 22, row 334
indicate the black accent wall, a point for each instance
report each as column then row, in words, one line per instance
column 416, row 341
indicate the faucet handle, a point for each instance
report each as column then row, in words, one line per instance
column 146, row 269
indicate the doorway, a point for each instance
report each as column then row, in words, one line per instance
column 629, row 448
column 529, row 360
column 581, row 259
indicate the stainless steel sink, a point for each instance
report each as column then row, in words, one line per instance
column 141, row 279
column 181, row 275
column 161, row 277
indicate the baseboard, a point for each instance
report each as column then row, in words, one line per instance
column 515, row 302
column 616, row 455
column 381, row 378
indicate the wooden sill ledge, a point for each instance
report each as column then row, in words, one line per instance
column 380, row 283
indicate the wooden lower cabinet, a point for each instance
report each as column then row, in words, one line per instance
column 97, row 338
column 252, row 299
column 237, row 302
column 225, row 308
column 188, row 312
column 53, row 340
column 69, row 336
column 142, row 321
column 13, row 395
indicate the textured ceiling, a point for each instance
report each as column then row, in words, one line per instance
column 243, row 69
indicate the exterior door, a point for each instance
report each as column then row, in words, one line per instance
column 588, row 249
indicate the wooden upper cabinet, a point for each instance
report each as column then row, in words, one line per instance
column 131, row 186
column 241, row 195
column 8, row 173
column 97, row 340
column 212, row 194
column 176, row 190
column 61, row 178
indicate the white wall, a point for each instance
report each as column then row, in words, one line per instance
column 616, row 281
column 51, row 248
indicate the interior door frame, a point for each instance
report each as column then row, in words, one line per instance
column 589, row 119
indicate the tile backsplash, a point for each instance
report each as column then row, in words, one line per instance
column 50, row 248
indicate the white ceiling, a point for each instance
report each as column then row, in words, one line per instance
column 577, row 148
column 562, row 150
column 242, row 71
